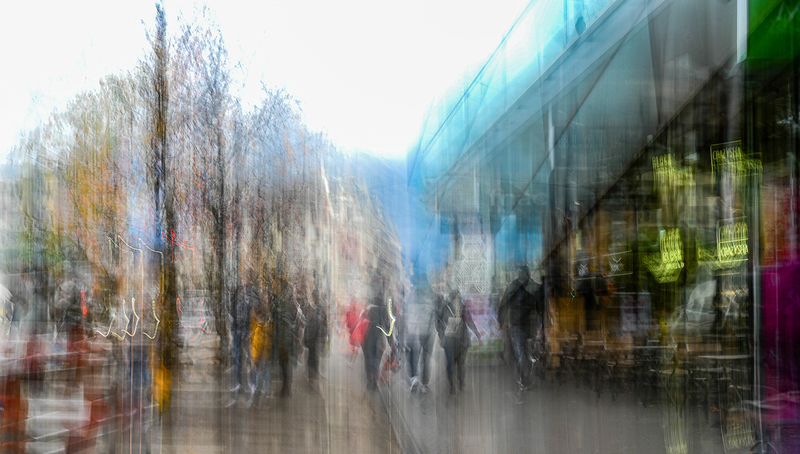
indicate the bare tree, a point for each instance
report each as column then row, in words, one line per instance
column 205, row 103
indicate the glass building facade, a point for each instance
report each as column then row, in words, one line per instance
column 642, row 155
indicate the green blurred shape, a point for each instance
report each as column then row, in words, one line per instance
column 774, row 33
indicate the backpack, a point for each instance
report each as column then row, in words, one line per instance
column 455, row 321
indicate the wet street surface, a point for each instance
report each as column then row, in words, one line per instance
column 336, row 414
column 332, row 415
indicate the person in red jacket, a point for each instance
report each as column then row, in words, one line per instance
column 351, row 316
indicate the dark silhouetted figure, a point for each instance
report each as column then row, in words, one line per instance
column 288, row 318
column 315, row 334
column 375, row 342
column 519, row 309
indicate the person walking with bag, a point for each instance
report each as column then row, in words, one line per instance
column 455, row 319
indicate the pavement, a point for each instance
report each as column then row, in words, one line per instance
column 337, row 414
column 492, row 415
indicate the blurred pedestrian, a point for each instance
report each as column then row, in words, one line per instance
column 376, row 341
column 518, row 310
column 456, row 318
column 288, row 319
column 351, row 316
column 420, row 318
column 247, row 296
column 315, row 334
column 262, row 332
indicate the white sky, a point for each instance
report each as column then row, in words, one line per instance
column 365, row 71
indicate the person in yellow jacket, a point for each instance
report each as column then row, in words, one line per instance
column 262, row 331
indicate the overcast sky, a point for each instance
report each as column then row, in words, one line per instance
column 365, row 71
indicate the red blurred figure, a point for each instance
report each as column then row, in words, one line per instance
column 351, row 316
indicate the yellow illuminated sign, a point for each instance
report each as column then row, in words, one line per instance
column 668, row 176
column 666, row 265
column 732, row 248
column 729, row 159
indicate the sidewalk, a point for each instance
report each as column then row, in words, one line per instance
column 334, row 415
column 490, row 416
